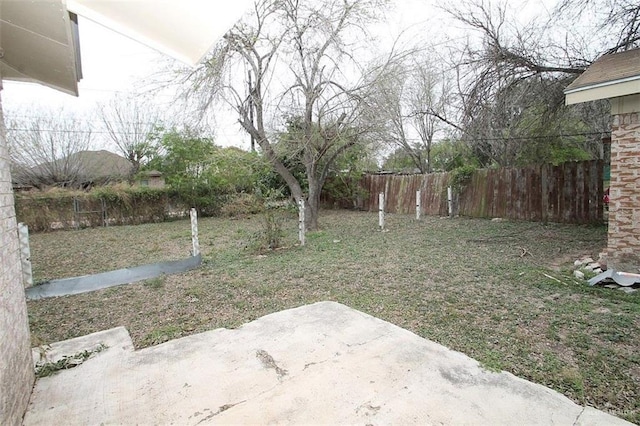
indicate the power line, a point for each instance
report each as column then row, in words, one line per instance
column 72, row 131
column 506, row 139
column 514, row 138
column 93, row 89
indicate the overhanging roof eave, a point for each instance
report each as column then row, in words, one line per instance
column 569, row 90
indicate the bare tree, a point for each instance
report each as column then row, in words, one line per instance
column 414, row 105
column 390, row 109
column 302, row 57
column 429, row 101
column 511, row 82
column 43, row 148
column 618, row 20
column 130, row 125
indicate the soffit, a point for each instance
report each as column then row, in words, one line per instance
column 183, row 29
column 38, row 44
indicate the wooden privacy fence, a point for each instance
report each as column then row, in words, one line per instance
column 570, row 193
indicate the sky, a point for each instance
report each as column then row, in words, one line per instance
column 115, row 66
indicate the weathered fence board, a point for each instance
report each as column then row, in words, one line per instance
column 571, row 193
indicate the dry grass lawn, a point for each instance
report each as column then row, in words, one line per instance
column 473, row 285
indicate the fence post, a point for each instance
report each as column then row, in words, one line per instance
column 194, row 232
column 25, row 255
column 450, row 200
column 381, row 210
column 418, row 205
column 301, row 226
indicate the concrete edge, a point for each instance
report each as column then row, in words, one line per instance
column 114, row 339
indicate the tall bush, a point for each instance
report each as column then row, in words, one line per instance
column 51, row 210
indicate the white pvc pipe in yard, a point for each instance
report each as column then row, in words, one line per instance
column 194, row 232
column 301, row 225
column 381, row 210
column 25, row 254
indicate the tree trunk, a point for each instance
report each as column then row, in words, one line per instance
column 313, row 204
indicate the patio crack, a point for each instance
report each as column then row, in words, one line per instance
column 578, row 417
column 373, row 339
column 222, row 408
column 309, row 364
column 268, row 362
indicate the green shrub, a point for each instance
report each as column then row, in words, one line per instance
column 271, row 234
column 461, row 176
column 127, row 205
column 345, row 190
column 241, row 204
column 51, row 210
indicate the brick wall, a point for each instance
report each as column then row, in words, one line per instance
column 16, row 365
column 623, row 248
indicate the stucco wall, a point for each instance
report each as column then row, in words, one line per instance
column 16, row 365
column 623, row 248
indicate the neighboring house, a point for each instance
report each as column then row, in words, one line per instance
column 83, row 169
column 152, row 179
column 617, row 77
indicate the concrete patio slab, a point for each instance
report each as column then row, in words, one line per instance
column 321, row 363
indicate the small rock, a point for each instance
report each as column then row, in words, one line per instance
column 578, row 263
column 611, row 286
column 628, row 289
column 597, row 271
column 496, row 219
column 579, row 275
column 336, row 241
column 586, row 260
column 593, row 266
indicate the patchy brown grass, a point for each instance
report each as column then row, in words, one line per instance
column 464, row 283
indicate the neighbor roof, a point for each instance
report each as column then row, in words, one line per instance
column 610, row 76
column 88, row 166
column 96, row 165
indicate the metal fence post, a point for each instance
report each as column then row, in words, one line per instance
column 418, row 205
column 194, row 232
column 450, row 200
column 25, row 254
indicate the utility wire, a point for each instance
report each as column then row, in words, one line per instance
column 71, row 131
column 559, row 135
column 506, row 139
column 515, row 138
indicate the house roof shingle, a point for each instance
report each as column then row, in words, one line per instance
column 88, row 166
column 609, row 69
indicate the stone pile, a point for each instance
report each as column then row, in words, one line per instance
column 585, row 268
column 587, row 265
